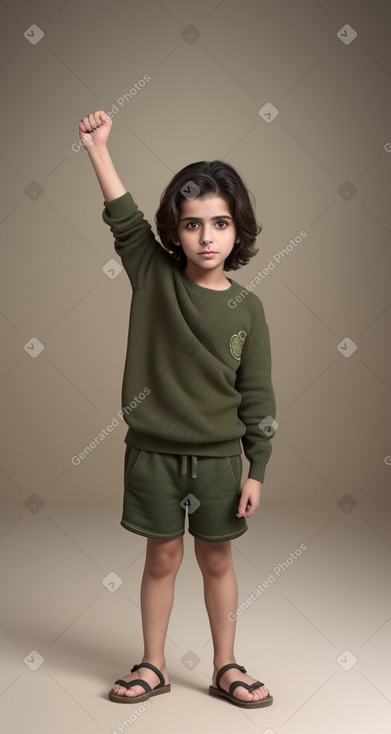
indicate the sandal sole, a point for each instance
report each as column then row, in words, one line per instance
column 213, row 691
column 138, row 699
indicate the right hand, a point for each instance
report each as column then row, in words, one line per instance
column 94, row 129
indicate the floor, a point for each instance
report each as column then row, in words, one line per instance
column 316, row 632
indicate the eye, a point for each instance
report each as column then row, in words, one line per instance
column 188, row 226
column 223, row 222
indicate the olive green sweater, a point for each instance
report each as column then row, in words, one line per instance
column 197, row 377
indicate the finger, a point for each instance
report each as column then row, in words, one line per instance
column 95, row 119
column 89, row 122
column 92, row 122
column 86, row 125
column 102, row 117
column 242, row 506
column 83, row 124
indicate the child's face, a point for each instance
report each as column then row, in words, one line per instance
column 207, row 233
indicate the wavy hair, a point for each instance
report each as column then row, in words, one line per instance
column 213, row 178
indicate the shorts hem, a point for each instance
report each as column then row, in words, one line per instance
column 148, row 534
column 220, row 538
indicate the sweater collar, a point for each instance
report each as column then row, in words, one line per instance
column 202, row 291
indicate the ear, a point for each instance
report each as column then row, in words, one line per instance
column 175, row 241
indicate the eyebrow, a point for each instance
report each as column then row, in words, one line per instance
column 199, row 219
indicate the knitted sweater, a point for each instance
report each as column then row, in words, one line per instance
column 197, row 377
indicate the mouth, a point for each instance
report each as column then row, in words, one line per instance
column 208, row 253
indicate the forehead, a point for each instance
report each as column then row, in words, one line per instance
column 205, row 208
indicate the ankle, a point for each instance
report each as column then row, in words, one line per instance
column 221, row 661
column 158, row 661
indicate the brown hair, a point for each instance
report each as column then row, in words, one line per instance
column 209, row 178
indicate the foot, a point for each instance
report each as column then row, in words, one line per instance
column 242, row 693
column 145, row 674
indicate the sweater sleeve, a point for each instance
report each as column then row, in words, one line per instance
column 254, row 383
column 134, row 240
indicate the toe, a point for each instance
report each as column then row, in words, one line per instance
column 243, row 694
column 261, row 693
column 134, row 691
column 117, row 690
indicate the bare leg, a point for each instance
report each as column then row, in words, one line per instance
column 162, row 562
column 221, row 599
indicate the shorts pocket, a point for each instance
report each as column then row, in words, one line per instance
column 235, row 465
column 132, row 456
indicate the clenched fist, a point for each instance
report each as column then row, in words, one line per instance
column 94, row 129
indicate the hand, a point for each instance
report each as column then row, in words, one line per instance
column 250, row 498
column 94, row 129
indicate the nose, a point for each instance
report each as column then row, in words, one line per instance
column 206, row 235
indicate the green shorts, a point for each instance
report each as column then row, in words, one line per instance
column 161, row 489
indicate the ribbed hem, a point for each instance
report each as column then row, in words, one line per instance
column 257, row 471
column 122, row 206
column 165, row 446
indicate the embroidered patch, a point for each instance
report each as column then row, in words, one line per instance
column 236, row 344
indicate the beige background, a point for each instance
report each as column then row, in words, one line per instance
column 320, row 635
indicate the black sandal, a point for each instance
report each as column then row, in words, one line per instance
column 162, row 687
column 228, row 695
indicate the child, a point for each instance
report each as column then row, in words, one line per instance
column 197, row 381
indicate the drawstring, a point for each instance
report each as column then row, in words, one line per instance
column 184, row 465
column 193, row 466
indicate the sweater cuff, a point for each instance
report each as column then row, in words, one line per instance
column 257, row 471
column 122, row 206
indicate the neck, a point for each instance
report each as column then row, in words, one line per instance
column 208, row 278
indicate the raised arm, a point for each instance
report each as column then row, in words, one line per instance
column 94, row 130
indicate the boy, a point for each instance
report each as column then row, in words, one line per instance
column 200, row 363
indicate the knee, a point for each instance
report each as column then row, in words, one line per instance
column 164, row 557
column 214, row 559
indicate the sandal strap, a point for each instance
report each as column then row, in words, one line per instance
column 250, row 688
column 151, row 667
column 224, row 670
column 132, row 683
